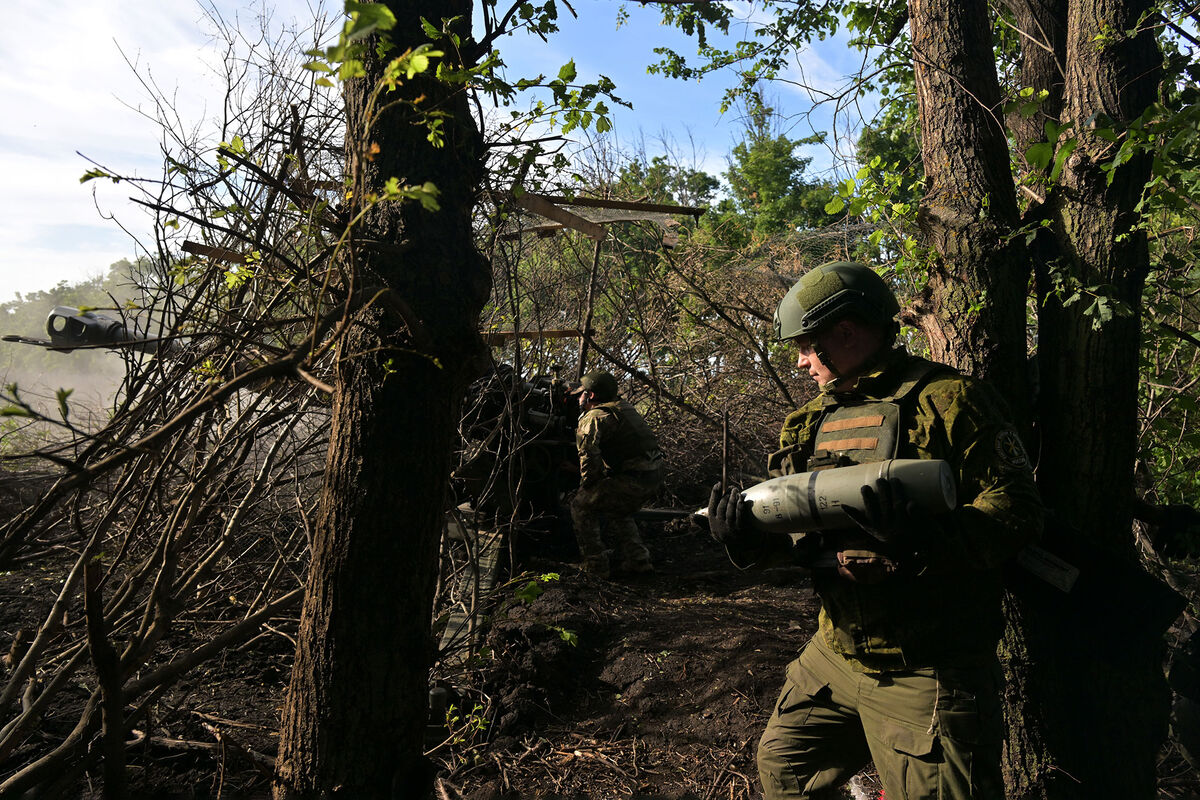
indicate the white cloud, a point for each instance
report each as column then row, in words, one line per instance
column 67, row 87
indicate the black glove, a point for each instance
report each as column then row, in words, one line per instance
column 730, row 523
column 888, row 516
column 725, row 517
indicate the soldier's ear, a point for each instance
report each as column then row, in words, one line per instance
column 845, row 329
column 852, row 332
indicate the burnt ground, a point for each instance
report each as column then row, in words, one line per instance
column 666, row 692
column 661, row 694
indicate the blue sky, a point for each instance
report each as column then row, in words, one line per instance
column 67, row 88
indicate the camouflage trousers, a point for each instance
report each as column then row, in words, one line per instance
column 932, row 733
column 607, row 507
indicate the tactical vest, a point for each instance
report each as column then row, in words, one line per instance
column 631, row 440
column 864, row 430
column 874, row 611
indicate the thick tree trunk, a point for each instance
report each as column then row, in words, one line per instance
column 1086, row 713
column 968, row 213
column 1088, row 363
column 356, row 709
column 1029, row 764
column 977, row 285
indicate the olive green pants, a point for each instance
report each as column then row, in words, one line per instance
column 932, row 733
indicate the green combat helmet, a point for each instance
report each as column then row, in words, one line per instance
column 830, row 292
column 601, row 384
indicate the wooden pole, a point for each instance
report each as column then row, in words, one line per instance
column 587, row 320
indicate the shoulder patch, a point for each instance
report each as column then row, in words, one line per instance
column 1010, row 451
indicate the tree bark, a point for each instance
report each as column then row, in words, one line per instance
column 1042, row 32
column 977, row 283
column 355, row 716
column 1084, row 358
column 1086, row 713
column 1088, row 411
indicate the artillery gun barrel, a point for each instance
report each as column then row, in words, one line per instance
column 70, row 328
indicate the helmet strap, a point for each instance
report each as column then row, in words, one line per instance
column 886, row 346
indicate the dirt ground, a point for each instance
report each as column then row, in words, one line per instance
column 661, row 694
column 666, row 692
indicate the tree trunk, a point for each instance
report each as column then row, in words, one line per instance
column 355, row 716
column 1086, row 702
column 977, row 284
column 1089, row 365
column 1029, row 764
column 1042, row 32
column 1088, row 361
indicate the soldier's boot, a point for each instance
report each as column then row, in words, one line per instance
column 635, row 557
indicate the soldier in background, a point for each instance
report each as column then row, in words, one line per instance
column 620, row 468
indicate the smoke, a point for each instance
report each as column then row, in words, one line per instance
column 92, row 379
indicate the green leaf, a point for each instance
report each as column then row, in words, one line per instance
column 351, row 68
column 568, row 72
column 1053, row 130
column 529, row 592
column 413, row 62
column 1039, row 154
column 236, row 277
column 1061, row 157
column 366, row 18
column 61, row 395
column 98, row 173
column 15, row 411
column 835, row 205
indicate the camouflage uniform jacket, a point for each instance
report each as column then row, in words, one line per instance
column 949, row 613
column 612, row 437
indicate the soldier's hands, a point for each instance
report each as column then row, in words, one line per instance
column 888, row 515
column 726, row 512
